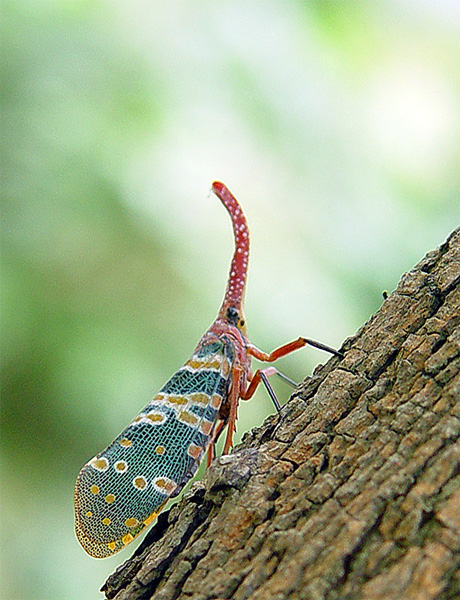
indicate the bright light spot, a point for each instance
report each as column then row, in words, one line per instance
column 412, row 112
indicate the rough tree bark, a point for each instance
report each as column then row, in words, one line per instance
column 352, row 491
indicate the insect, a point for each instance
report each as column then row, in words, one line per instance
column 122, row 489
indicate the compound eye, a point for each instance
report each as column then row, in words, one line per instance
column 232, row 315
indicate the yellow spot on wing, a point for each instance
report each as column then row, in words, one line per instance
column 158, row 398
column 100, row 464
column 131, row 522
column 156, row 417
column 106, row 521
column 204, row 363
column 149, row 519
column 188, row 418
column 125, row 442
column 110, row 498
column 160, row 450
column 177, row 400
column 200, row 398
column 140, row 482
column 94, row 489
column 164, row 485
column 212, row 364
column 194, row 363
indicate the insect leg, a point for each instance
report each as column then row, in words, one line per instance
column 210, row 454
column 288, row 348
column 264, row 378
column 212, row 446
column 324, row 347
column 233, row 398
column 261, row 376
column 256, row 379
column 286, row 379
column 270, row 391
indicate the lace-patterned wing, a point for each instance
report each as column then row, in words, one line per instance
column 122, row 489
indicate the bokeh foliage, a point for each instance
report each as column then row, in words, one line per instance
column 335, row 123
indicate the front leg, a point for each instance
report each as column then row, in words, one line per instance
column 288, row 348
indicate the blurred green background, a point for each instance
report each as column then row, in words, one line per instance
column 337, row 126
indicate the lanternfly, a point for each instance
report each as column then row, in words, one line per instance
column 122, row 489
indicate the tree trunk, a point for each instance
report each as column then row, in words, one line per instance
column 352, row 491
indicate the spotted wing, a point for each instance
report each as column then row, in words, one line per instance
column 121, row 490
